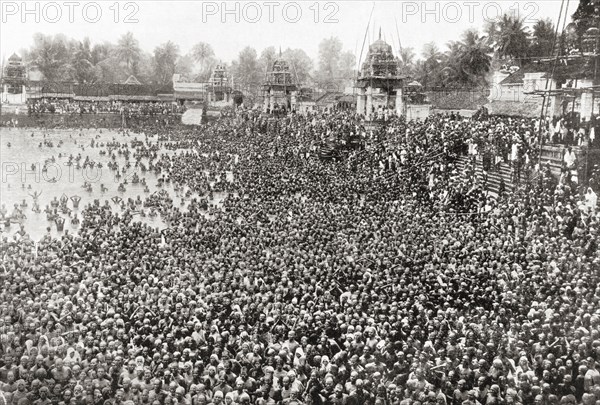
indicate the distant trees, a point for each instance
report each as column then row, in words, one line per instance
column 469, row 60
column 300, row 64
column 266, row 59
column 335, row 66
column 128, row 51
column 472, row 58
column 165, row 61
column 542, row 39
column 246, row 70
column 51, row 55
column 466, row 61
column 511, row 39
column 82, row 63
column 203, row 54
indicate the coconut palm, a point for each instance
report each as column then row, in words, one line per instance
column 431, row 66
column 83, row 68
column 51, row 55
column 204, row 55
column 128, row 50
column 512, row 38
column 475, row 61
column 452, row 62
column 165, row 61
column 542, row 38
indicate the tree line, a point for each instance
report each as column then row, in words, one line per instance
column 62, row 59
column 469, row 60
column 465, row 62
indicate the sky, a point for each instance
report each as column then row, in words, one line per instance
column 229, row 26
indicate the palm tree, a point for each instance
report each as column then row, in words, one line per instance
column 466, row 62
column 82, row 62
column 513, row 38
column 452, row 61
column 165, row 61
column 432, row 64
column 475, row 60
column 128, row 50
column 204, row 55
column 542, row 38
column 421, row 72
column 407, row 56
column 490, row 30
column 51, row 55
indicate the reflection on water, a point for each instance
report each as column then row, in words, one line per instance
column 22, row 174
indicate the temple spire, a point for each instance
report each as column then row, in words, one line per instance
column 279, row 50
column 379, row 32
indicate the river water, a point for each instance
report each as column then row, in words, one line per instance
column 19, row 179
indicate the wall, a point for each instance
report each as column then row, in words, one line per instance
column 508, row 92
column 304, row 107
column 414, row 112
column 530, row 109
column 458, row 99
column 11, row 99
column 463, row 113
column 497, row 77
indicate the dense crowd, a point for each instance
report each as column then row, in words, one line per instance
column 388, row 277
column 571, row 131
column 69, row 106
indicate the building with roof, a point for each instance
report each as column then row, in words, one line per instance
column 189, row 91
column 280, row 88
column 380, row 81
column 522, row 92
column 219, row 86
column 132, row 80
column 564, row 84
column 14, row 80
column 14, row 76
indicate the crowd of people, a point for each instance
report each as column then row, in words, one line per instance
column 70, row 106
column 571, row 131
column 388, row 277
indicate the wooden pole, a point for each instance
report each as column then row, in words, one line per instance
column 540, row 137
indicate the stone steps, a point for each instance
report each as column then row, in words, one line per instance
column 495, row 177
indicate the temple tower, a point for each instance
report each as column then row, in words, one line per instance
column 379, row 82
column 280, row 88
column 219, row 86
column 15, row 75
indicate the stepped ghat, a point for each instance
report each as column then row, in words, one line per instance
column 551, row 157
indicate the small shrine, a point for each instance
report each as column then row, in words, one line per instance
column 280, row 88
column 14, row 78
column 414, row 93
column 380, row 82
